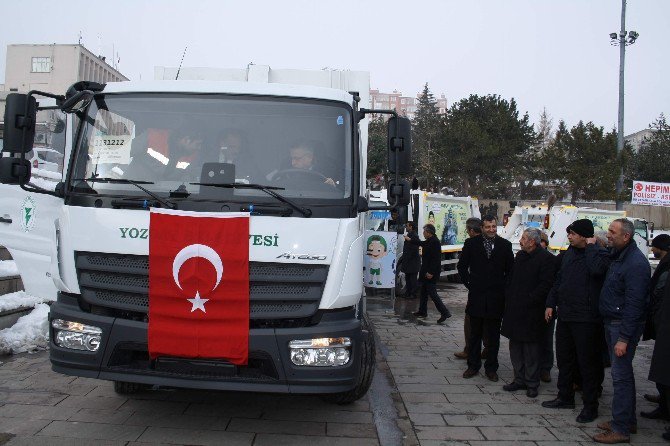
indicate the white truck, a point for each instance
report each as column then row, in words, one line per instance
column 553, row 221
column 446, row 212
column 91, row 231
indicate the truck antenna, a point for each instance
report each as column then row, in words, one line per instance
column 182, row 61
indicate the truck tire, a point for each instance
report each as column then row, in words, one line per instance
column 367, row 370
column 126, row 388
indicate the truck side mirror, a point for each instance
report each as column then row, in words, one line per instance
column 399, row 145
column 19, row 128
column 14, row 170
column 398, row 191
column 77, row 101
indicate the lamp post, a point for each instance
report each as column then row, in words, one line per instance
column 623, row 39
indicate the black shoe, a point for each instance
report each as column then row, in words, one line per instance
column 587, row 415
column 558, row 404
column 531, row 393
column 492, row 376
column 513, row 387
column 666, row 436
column 469, row 373
column 444, row 317
column 656, row 414
column 420, row 315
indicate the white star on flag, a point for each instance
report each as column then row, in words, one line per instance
column 198, row 303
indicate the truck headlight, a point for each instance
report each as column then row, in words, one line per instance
column 320, row 352
column 75, row 335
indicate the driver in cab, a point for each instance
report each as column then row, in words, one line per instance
column 302, row 158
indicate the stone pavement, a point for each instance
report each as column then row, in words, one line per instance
column 418, row 397
column 444, row 408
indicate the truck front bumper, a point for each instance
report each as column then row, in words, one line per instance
column 123, row 356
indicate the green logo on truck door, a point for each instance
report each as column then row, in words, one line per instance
column 28, row 214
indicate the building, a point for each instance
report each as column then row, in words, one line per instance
column 52, row 68
column 403, row 105
column 635, row 140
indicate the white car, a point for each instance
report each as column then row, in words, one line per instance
column 46, row 158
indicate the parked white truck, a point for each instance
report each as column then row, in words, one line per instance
column 305, row 233
column 553, row 221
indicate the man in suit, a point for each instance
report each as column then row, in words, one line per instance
column 484, row 266
column 431, row 265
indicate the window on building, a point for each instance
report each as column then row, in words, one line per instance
column 41, row 65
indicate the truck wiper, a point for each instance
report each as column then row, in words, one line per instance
column 270, row 190
column 136, row 183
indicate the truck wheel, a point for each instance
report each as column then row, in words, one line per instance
column 367, row 371
column 125, row 388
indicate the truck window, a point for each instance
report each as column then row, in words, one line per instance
column 303, row 146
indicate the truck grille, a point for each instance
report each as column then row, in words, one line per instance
column 277, row 291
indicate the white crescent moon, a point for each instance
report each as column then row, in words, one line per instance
column 197, row 250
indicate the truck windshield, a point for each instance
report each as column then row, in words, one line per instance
column 172, row 141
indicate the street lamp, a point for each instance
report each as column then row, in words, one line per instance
column 622, row 40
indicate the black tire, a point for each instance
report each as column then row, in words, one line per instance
column 367, row 370
column 126, row 388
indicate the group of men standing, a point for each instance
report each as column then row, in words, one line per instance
column 596, row 293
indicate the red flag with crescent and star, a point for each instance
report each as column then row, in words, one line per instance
column 199, row 285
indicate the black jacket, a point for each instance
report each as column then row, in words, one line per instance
column 657, row 287
column 431, row 258
column 411, row 259
column 531, row 279
column 576, row 292
column 485, row 278
column 659, row 372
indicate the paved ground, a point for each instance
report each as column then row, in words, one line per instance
column 418, row 397
column 444, row 408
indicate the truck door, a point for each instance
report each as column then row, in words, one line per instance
column 27, row 227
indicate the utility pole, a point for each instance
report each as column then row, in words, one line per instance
column 622, row 39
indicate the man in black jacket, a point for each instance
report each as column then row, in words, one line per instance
column 575, row 297
column 411, row 260
column 431, row 265
column 484, row 266
column 660, row 246
column 660, row 361
column 523, row 322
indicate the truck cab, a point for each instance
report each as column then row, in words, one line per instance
column 291, row 156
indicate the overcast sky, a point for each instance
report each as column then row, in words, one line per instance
column 544, row 53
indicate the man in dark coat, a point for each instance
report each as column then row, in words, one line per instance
column 523, row 321
column 623, row 305
column 575, row 298
column 411, row 260
column 484, row 266
column 473, row 226
column 659, row 371
column 659, row 280
column 431, row 266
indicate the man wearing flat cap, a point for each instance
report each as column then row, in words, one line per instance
column 574, row 297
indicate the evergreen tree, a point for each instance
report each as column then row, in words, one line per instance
column 377, row 150
column 651, row 161
column 485, row 139
column 426, row 151
column 585, row 160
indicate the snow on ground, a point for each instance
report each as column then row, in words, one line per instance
column 8, row 268
column 20, row 299
column 29, row 333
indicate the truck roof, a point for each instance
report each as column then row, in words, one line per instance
column 230, row 87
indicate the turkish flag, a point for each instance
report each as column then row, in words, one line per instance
column 199, row 285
